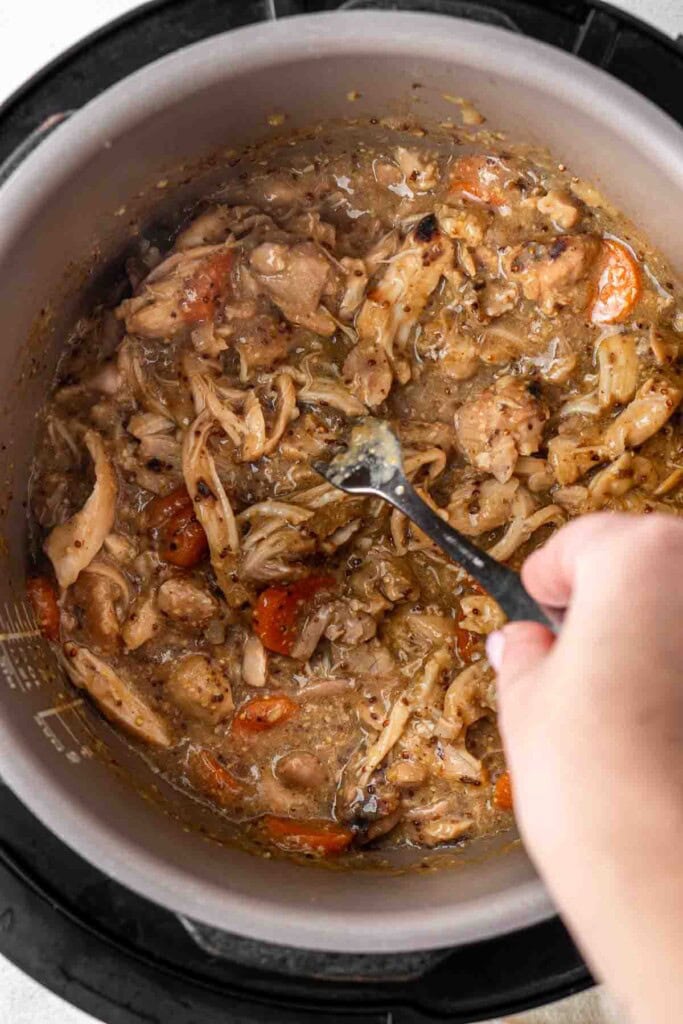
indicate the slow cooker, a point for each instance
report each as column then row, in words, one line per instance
column 104, row 897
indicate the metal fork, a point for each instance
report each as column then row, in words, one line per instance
column 373, row 464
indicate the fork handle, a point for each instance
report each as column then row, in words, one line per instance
column 501, row 582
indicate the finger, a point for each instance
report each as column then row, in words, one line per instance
column 549, row 572
column 518, row 648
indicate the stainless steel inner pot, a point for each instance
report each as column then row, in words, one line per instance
column 64, row 215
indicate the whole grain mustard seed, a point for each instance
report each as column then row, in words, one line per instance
column 274, row 120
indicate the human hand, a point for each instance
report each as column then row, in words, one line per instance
column 593, row 729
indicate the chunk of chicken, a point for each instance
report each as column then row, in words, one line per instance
column 561, row 207
column 254, row 662
column 468, row 226
column 199, row 688
column 469, row 695
column 143, row 621
column 416, row 695
column 664, row 345
column 523, row 527
column 72, row 546
column 618, row 370
column 557, row 274
column 184, row 288
column 655, row 402
column 502, row 423
column 115, row 696
column 209, row 228
column 481, row 614
column 300, row 770
column 569, row 459
column 294, row 277
column 184, row 599
column 479, row 506
column 623, row 475
column 368, row 373
column 456, row 353
column 394, row 306
column 420, row 172
column 102, row 593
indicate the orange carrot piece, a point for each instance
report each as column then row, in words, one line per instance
column 263, row 713
column 279, row 609
column 307, row 836
column 619, row 284
column 502, row 793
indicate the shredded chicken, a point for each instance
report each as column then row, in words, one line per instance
column 655, row 402
column 115, row 697
column 311, row 665
column 416, row 694
column 72, row 546
column 394, row 306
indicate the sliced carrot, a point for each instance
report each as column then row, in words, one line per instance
column 165, row 506
column 278, row 611
column 182, row 540
column 42, row 595
column 310, row 836
column 263, row 713
column 212, row 778
column 619, row 284
column 204, row 290
column 502, row 793
column 480, row 178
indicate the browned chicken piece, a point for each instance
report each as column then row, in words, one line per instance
column 454, row 352
column 368, row 373
column 561, row 207
column 101, row 598
column 355, row 283
column 115, row 696
column 180, row 291
column 391, row 310
column 420, row 170
column 481, row 505
column 468, row 226
column 199, row 688
column 72, row 545
column 218, row 222
column 655, row 402
column 619, row 366
column 260, row 342
column 210, row 228
column 186, row 600
column 570, row 459
column 300, row 770
column 664, row 345
column 557, row 274
column 294, row 278
column 502, row 423
column 312, row 226
column 144, row 621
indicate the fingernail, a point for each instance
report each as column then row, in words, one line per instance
column 495, row 646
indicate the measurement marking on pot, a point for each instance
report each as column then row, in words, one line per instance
column 27, row 665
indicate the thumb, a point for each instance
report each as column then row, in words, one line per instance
column 517, row 649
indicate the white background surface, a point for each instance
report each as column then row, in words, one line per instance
column 32, row 32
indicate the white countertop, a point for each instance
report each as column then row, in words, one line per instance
column 32, row 32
